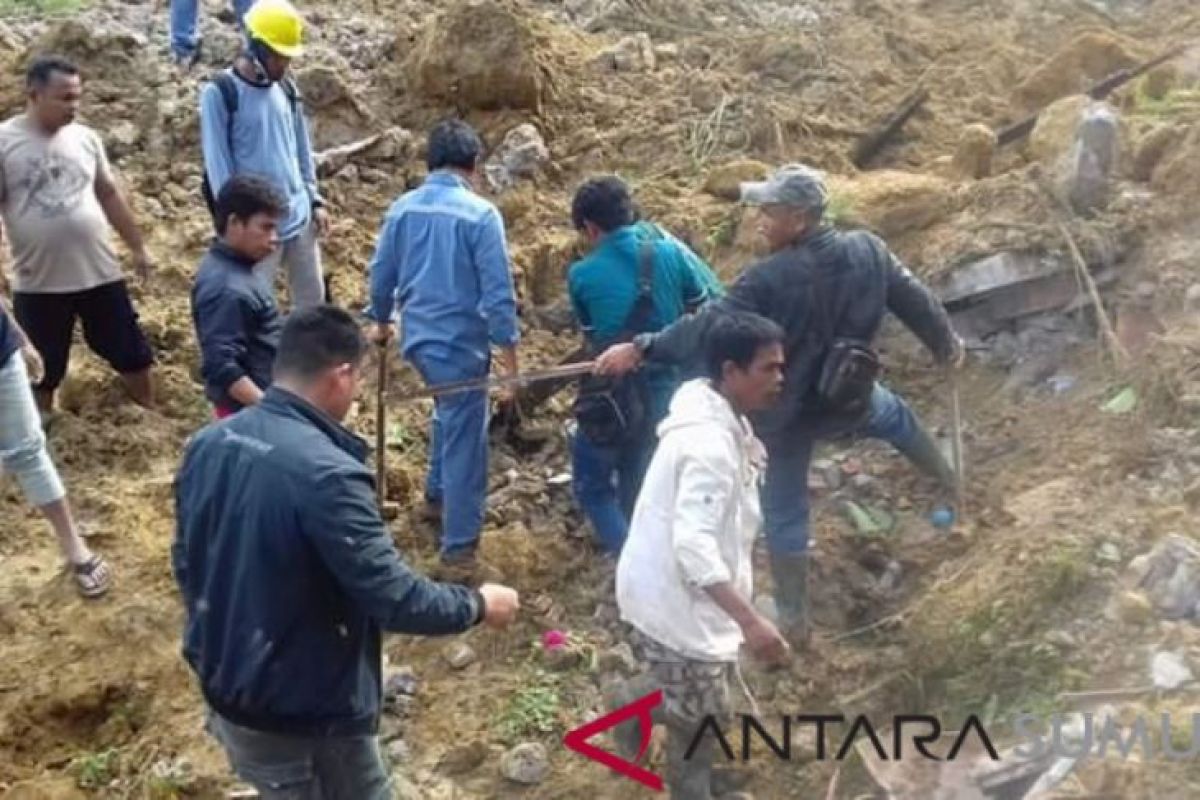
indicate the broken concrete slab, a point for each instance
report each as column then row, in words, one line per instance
column 984, row 297
column 1169, row 576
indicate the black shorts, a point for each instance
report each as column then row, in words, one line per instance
column 110, row 328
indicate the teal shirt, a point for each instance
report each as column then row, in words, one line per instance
column 705, row 274
column 603, row 287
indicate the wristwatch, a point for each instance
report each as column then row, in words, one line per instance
column 480, row 607
column 643, row 342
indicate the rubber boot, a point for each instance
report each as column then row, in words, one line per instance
column 789, row 573
column 926, row 456
column 627, row 737
column 688, row 778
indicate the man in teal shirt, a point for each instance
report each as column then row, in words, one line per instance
column 603, row 289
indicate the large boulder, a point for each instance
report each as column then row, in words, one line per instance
column 1054, row 134
column 1084, row 60
column 891, row 202
column 480, row 54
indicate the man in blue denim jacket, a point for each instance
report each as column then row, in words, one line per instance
column 443, row 260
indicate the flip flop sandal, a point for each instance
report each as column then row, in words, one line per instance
column 92, row 577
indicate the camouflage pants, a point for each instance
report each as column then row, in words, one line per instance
column 692, row 689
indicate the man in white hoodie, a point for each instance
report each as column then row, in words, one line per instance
column 684, row 576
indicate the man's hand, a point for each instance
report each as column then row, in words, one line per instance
column 765, row 641
column 501, row 605
column 507, row 395
column 379, row 333
column 143, row 264
column 322, row 221
column 33, row 362
column 618, row 360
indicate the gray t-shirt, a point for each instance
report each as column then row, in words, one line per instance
column 57, row 231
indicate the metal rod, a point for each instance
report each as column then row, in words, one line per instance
column 520, row 379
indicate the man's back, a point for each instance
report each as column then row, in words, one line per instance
column 604, row 284
column 445, row 248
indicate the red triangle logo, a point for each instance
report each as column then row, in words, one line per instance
column 577, row 739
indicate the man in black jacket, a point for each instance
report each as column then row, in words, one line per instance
column 289, row 577
column 233, row 309
column 822, row 286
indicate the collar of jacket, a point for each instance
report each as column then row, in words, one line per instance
column 282, row 401
column 815, row 238
column 445, row 177
column 223, row 250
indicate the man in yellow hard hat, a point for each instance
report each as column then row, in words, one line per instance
column 252, row 122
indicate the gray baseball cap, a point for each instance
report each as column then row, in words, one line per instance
column 794, row 185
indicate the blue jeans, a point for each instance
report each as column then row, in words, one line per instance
column 606, row 485
column 185, row 20
column 458, row 447
column 285, row 767
column 785, row 491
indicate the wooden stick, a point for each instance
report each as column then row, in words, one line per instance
column 1116, row 351
column 960, row 470
column 831, row 792
column 877, row 139
column 381, row 427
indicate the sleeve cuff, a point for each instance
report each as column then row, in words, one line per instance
column 480, row 607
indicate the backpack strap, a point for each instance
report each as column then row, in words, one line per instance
column 643, row 305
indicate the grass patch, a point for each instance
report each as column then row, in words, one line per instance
column 95, row 770
column 536, row 709
column 26, row 8
column 839, row 210
column 1174, row 104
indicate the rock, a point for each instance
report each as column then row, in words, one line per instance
column 1134, row 608
column 725, row 181
column 1171, row 580
column 1087, row 58
column 522, row 155
column 619, row 658
column 405, row 789
column 400, row 682
column 394, row 144
column 631, row 54
column 526, row 763
column 463, row 758
column 1153, row 148
column 121, row 139
column 561, row 659
column 459, row 655
column 666, row 53
column 1169, row 671
column 892, row 202
column 1109, row 553
column 830, row 473
column 322, row 87
column 1087, row 182
column 397, row 751
column 348, row 173
column 1191, row 298
column 1054, row 134
column 480, row 54
column 1062, row 639
column 973, row 157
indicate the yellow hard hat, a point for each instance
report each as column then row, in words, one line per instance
column 278, row 25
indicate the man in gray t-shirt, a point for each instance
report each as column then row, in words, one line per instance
column 57, row 199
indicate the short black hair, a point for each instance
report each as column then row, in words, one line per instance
column 243, row 196
column 736, row 336
column 453, row 143
column 604, row 202
column 44, row 67
column 317, row 338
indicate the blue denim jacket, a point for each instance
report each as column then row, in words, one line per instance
column 442, row 256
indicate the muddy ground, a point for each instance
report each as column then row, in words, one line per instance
column 1026, row 598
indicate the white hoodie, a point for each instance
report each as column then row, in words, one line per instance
column 693, row 526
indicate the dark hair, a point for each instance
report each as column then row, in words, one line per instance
column 317, row 338
column 44, row 67
column 604, row 202
column 736, row 336
column 453, row 143
column 243, row 196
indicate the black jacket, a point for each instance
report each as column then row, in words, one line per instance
column 237, row 323
column 289, row 574
column 830, row 285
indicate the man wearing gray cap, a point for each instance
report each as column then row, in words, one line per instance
column 829, row 290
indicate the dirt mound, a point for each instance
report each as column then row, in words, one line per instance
column 892, row 202
column 1085, row 59
column 480, row 54
column 1178, row 174
column 725, row 181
